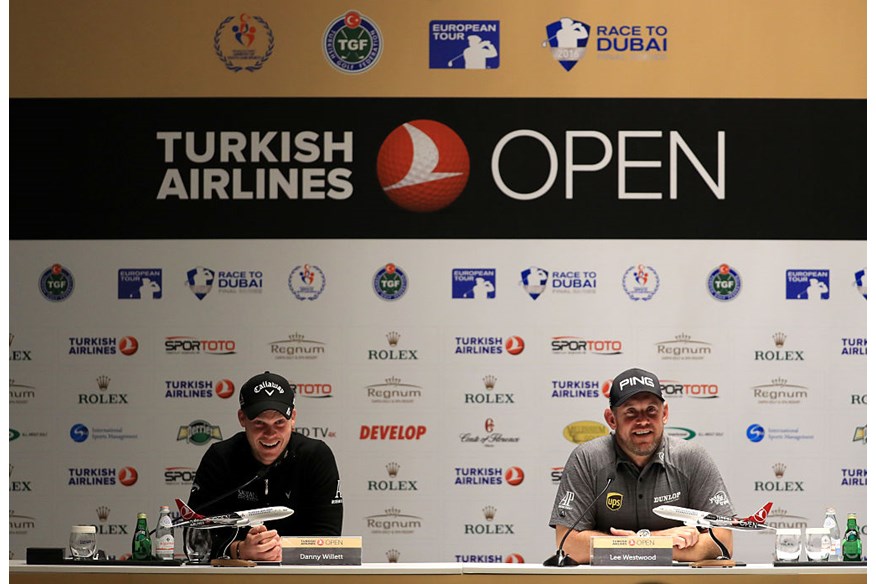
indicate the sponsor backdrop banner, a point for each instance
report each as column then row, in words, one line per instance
column 448, row 227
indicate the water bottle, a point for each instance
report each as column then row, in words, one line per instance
column 852, row 540
column 832, row 525
column 141, row 545
column 164, row 543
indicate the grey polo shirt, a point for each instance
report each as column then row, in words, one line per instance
column 679, row 473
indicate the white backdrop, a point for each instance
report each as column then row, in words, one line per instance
column 420, row 512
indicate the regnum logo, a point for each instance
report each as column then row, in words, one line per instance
column 352, row 43
column 243, row 42
column 423, row 166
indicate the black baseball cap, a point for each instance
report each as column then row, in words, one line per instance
column 631, row 382
column 267, row 391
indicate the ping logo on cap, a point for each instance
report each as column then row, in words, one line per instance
column 635, row 380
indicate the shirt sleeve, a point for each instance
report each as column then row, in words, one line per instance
column 323, row 514
column 574, row 494
column 708, row 491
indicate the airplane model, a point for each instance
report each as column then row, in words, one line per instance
column 237, row 519
column 696, row 518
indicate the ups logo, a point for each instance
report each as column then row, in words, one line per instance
column 614, row 501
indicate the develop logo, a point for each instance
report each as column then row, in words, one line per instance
column 423, row 166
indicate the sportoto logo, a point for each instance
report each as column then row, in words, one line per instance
column 423, row 166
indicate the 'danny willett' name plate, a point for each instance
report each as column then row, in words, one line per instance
column 608, row 550
column 322, row 551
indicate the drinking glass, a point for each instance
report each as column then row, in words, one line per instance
column 788, row 545
column 83, row 542
column 818, row 544
column 197, row 544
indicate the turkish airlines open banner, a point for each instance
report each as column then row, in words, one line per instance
column 438, row 168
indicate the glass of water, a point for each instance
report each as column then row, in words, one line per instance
column 788, row 543
column 83, row 542
column 818, row 544
column 197, row 544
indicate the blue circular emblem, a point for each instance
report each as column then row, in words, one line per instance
column 390, row 282
column 641, row 282
column 755, row 433
column 724, row 283
column 79, row 432
column 306, row 282
column 56, row 283
column 352, row 43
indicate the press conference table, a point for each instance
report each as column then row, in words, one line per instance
column 428, row 573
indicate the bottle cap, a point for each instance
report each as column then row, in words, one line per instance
column 165, row 508
column 141, row 516
column 831, row 511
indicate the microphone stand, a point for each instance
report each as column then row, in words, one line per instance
column 561, row 559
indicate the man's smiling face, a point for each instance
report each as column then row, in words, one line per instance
column 268, row 433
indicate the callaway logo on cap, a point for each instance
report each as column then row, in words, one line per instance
column 631, row 382
column 267, row 391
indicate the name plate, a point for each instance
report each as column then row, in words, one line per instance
column 609, row 550
column 322, row 551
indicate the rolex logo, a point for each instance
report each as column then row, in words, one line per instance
column 393, row 338
column 779, row 381
column 779, row 339
column 392, row 468
column 393, row 381
column 779, row 470
column 103, row 382
column 392, row 556
column 489, row 512
column 490, row 382
column 103, row 513
column 682, row 337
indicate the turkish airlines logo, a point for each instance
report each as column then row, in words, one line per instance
column 128, row 476
column 514, row 345
column 423, row 166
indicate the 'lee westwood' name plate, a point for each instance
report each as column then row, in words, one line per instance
column 609, row 550
column 322, row 551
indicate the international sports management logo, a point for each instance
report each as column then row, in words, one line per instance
column 243, row 42
column 423, row 166
column 352, row 43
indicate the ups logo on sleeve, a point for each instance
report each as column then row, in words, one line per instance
column 614, row 501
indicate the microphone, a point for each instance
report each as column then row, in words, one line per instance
column 561, row 559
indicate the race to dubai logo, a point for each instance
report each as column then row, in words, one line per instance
column 56, row 283
column 243, row 42
column 423, row 166
column 390, row 282
column 306, row 282
column 724, row 283
column 200, row 281
column 567, row 39
column 641, row 282
column 352, row 43
column 534, row 281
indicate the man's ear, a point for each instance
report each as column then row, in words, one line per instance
column 241, row 417
column 610, row 419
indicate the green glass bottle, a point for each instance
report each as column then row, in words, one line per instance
column 852, row 540
column 141, row 545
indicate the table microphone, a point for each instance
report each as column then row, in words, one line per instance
column 560, row 559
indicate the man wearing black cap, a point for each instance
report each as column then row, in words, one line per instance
column 268, row 464
column 647, row 469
